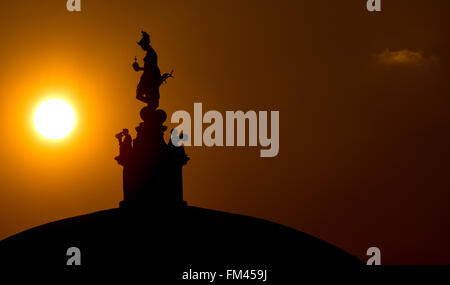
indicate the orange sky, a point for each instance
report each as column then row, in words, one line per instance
column 363, row 101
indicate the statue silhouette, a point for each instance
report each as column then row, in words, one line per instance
column 125, row 147
column 152, row 168
column 148, row 88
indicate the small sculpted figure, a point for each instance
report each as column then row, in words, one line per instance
column 125, row 146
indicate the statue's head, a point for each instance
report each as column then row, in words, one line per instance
column 125, row 132
column 145, row 41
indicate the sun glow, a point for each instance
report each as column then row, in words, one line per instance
column 54, row 119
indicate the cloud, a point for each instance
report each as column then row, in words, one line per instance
column 404, row 58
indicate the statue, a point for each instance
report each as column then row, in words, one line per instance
column 148, row 88
column 152, row 168
column 125, row 147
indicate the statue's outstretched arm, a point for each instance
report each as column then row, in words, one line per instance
column 165, row 76
column 136, row 67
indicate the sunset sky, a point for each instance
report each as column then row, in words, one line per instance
column 364, row 102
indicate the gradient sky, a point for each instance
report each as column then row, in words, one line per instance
column 363, row 100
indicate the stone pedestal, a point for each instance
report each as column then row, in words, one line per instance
column 152, row 169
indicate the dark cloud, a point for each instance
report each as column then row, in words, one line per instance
column 404, row 58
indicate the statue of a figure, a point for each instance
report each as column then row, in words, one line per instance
column 152, row 169
column 148, row 88
column 125, row 146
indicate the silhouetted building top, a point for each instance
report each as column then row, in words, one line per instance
column 152, row 173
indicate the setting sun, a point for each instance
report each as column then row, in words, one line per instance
column 54, row 119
